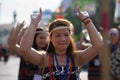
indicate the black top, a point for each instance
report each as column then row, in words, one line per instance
column 74, row 74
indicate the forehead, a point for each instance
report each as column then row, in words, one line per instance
column 42, row 34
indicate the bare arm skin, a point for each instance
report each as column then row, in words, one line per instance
column 96, row 41
column 26, row 44
column 20, row 41
column 15, row 37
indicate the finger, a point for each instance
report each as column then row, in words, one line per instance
column 19, row 27
column 11, row 39
column 40, row 11
column 40, row 14
column 21, row 35
column 15, row 35
column 23, row 22
column 78, row 10
column 79, row 14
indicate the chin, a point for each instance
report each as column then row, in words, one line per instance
column 63, row 47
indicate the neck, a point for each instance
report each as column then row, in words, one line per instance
column 114, row 42
column 60, row 52
column 40, row 48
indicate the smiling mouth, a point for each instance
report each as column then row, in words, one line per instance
column 63, row 44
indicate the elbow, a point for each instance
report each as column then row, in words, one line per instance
column 99, row 45
column 24, row 53
column 24, row 50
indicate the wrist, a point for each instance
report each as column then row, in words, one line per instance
column 34, row 24
column 83, row 20
column 86, row 21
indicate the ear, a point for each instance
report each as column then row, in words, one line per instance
column 50, row 37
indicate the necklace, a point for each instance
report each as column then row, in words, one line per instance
column 50, row 67
column 61, row 69
column 66, row 76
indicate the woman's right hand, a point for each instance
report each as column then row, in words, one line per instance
column 36, row 17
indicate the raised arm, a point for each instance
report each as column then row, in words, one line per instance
column 96, row 40
column 15, row 37
column 82, row 44
column 26, row 44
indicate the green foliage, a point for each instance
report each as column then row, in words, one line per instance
column 81, row 3
column 77, row 37
column 70, row 14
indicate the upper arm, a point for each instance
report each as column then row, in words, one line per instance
column 34, row 56
column 86, row 55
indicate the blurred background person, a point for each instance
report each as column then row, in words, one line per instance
column 0, row 52
column 27, row 70
column 113, row 45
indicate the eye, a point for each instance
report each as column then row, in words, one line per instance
column 41, row 37
column 66, row 34
column 57, row 35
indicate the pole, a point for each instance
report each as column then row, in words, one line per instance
column 105, row 52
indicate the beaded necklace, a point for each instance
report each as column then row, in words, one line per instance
column 67, row 75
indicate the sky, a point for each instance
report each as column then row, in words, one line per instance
column 24, row 8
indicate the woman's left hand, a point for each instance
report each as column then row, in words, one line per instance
column 81, row 14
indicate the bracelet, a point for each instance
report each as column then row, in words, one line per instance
column 87, row 22
column 85, row 19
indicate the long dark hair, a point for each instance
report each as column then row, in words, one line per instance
column 34, row 41
column 71, row 48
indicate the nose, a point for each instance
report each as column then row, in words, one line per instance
column 62, row 38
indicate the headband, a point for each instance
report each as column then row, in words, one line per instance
column 44, row 32
column 61, row 27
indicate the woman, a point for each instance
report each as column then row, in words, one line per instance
column 60, row 61
column 113, row 46
column 27, row 70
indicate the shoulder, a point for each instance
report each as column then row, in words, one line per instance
column 77, row 58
